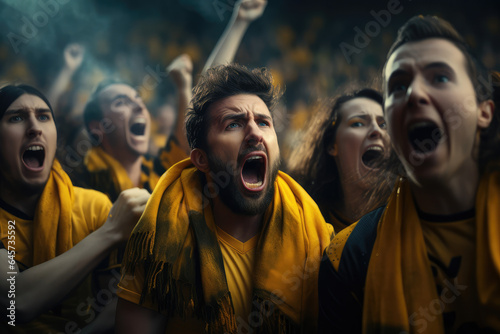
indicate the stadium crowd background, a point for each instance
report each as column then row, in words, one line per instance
column 308, row 45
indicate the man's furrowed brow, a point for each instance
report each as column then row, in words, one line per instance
column 263, row 116
column 13, row 111
column 438, row 65
column 25, row 110
column 232, row 116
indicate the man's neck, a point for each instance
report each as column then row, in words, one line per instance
column 458, row 194
column 240, row 227
column 130, row 162
column 133, row 169
column 24, row 202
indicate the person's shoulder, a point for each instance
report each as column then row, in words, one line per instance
column 351, row 248
column 365, row 231
column 90, row 207
column 90, row 197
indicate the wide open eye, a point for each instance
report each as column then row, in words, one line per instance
column 15, row 119
column 441, row 78
column 232, row 126
column 398, row 88
column 44, row 117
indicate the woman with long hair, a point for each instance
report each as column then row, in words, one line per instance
column 339, row 160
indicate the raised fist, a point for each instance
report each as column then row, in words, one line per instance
column 73, row 56
column 181, row 71
column 250, row 10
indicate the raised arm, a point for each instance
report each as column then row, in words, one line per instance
column 245, row 12
column 73, row 57
column 41, row 287
column 181, row 71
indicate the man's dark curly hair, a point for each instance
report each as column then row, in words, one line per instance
column 221, row 82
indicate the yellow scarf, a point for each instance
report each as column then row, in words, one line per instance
column 175, row 242
column 399, row 280
column 97, row 160
column 52, row 232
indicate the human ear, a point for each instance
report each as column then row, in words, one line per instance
column 485, row 114
column 200, row 160
column 96, row 132
column 332, row 150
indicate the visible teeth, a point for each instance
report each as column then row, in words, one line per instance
column 255, row 157
column 139, row 120
column 253, row 185
column 35, row 148
column 374, row 148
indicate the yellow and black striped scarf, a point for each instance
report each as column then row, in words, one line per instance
column 109, row 176
column 106, row 174
column 175, row 243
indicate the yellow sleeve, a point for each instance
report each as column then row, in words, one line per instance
column 130, row 288
column 95, row 206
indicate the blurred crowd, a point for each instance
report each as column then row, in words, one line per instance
column 306, row 46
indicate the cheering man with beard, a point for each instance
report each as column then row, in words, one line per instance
column 227, row 243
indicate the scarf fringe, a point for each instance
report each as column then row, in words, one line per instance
column 276, row 322
column 175, row 297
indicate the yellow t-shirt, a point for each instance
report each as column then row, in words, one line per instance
column 238, row 265
column 239, row 260
column 90, row 211
column 451, row 251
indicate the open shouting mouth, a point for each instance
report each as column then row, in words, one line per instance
column 253, row 171
column 424, row 136
column 34, row 157
column 372, row 156
column 138, row 126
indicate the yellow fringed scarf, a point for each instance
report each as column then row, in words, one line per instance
column 175, row 243
column 52, row 232
column 97, row 160
column 399, row 279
